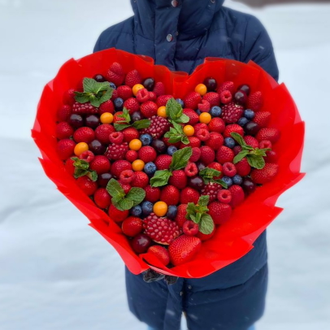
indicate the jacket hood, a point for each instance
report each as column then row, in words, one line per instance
column 155, row 19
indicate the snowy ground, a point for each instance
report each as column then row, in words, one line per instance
column 56, row 272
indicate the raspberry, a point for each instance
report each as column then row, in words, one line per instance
column 117, row 151
column 203, row 134
column 229, row 169
column 158, row 127
column 87, row 155
column 191, row 169
column 231, row 113
column 116, row 137
column 127, row 176
column 265, row 144
column 142, row 95
column 211, row 189
column 224, row 196
column 190, row 228
column 160, row 230
column 204, row 106
column 226, row 97
column 84, row 109
column 199, row 126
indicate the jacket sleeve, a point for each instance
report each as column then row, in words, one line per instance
column 258, row 47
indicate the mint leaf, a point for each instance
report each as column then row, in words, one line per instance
column 160, row 178
column 136, row 195
column 143, row 123
column 239, row 139
column 260, row 152
column 89, row 85
column 101, row 87
column 80, row 172
column 257, row 162
column 240, row 156
column 173, row 109
column 124, row 204
column 81, row 97
column 180, row 158
column 114, row 189
column 203, row 200
column 221, row 182
column 120, row 127
column 208, row 174
column 92, row 175
column 106, row 96
column 206, row 225
column 184, row 119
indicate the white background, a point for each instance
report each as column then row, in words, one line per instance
column 55, row 271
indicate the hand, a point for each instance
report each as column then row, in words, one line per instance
column 150, row 276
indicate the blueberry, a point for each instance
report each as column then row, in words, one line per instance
column 112, row 85
column 171, row 212
column 229, row 142
column 119, row 102
column 147, row 208
column 249, row 114
column 136, row 211
column 216, row 111
column 150, row 168
column 146, row 139
column 242, row 121
column 237, row 179
column 136, row 116
column 171, row 150
column 227, row 180
column 198, row 112
column 180, row 102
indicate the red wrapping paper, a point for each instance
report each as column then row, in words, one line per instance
column 233, row 239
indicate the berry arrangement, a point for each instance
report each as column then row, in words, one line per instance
column 168, row 170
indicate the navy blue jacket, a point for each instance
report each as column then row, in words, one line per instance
column 180, row 34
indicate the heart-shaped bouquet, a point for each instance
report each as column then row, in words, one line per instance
column 179, row 173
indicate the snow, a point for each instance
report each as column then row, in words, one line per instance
column 56, row 272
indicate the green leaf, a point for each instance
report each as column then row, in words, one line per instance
column 184, row 119
column 95, row 102
column 173, row 109
column 80, row 172
column 174, row 139
column 239, row 139
column 257, row 162
column 106, row 96
column 184, row 140
column 143, row 123
column 221, row 182
column 92, row 175
column 208, row 174
column 260, row 152
column 203, row 200
column 125, row 204
column 160, row 178
column 81, row 97
column 80, row 164
column 136, row 195
column 89, row 85
column 102, row 87
column 240, row 156
column 206, row 225
column 180, row 158
column 114, row 189
column 120, row 127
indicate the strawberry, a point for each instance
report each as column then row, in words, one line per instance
column 184, row 249
column 132, row 105
column 132, row 78
column 131, row 155
column 117, row 117
column 233, row 128
column 193, row 116
column 271, row 134
column 163, row 162
column 196, row 154
column 227, row 85
column 124, row 92
column 243, row 167
column 216, row 166
column 271, row 156
column 152, row 194
column 192, row 100
column 204, row 106
column 189, row 195
column 63, row 113
column 126, row 187
column 161, row 253
column 224, row 154
column 130, row 133
column 147, row 154
column 116, row 74
column 103, row 131
column 219, row 212
column 149, row 109
column 152, row 96
column 159, row 88
column 193, row 142
column 84, row 109
column 251, row 141
column 132, row 226
column 116, row 151
column 86, row 185
column 63, row 130
column 160, row 230
column 255, row 101
column 211, row 189
column 141, row 180
column 65, row 148
column 84, row 134
column 231, row 112
column 216, row 125
column 207, row 155
column 69, row 97
column 158, row 127
column 237, row 195
column 190, row 228
column 100, row 164
column 262, row 118
column 117, row 215
column 264, row 175
column 162, row 100
column 226, row 97
column 102, row 198
column 106, row 106
column 143, row 95
column 181, row 214
column 213, row 98
column 178, row 179
column 215, row 141
column 170, row 195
